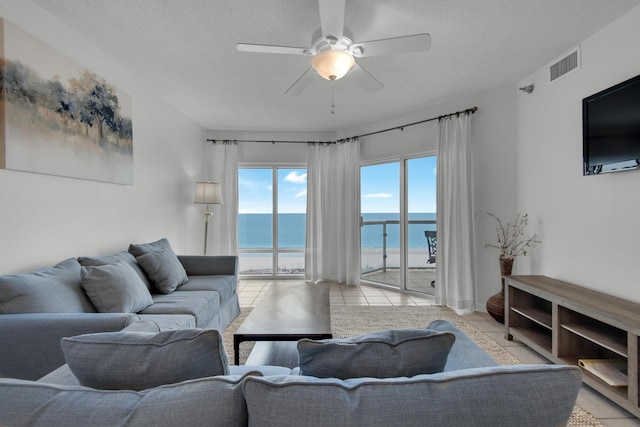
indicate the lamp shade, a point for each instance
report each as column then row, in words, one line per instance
column 209, row 193
column 332, row 64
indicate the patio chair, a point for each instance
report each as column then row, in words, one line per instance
column 432, row 244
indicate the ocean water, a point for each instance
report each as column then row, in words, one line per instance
column 255, row 230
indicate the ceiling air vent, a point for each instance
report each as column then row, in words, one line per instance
column 565, row 65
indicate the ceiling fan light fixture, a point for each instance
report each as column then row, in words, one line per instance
column 332, row 64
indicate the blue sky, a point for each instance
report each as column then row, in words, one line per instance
column 380, row 188
column 255, row 188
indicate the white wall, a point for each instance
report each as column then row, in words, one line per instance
column 44, row 219
column 589, row 226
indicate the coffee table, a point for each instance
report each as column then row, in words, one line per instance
column 288, row 312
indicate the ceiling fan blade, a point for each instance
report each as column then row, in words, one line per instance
column 302, row 83
column 265, row 48
column 332, row 17
column 365, row 79
column 414, row 43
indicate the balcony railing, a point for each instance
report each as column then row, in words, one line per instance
column 416, row 236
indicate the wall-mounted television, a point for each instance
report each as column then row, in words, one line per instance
column 611, row 129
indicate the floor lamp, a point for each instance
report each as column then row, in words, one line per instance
column 208, row 193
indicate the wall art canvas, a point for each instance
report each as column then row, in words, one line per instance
column 58, row 118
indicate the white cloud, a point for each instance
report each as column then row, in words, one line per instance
column 378, row 196
column 300, row 194
column 296, row 178
column 249, row 185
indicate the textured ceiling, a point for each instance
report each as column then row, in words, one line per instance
column 185, row 50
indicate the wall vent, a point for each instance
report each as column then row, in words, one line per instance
column 565, row 65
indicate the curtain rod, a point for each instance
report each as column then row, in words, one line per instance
column 471, row 110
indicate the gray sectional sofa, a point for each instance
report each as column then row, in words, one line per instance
column 147, row 282
column 133, row 339
column 472, row 390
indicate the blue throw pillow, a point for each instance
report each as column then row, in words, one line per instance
column 164, row 270
column 141, row 360
column 137, row 249
column 160, row 263
column 126, row 256
column 115, row 288
column 383, row 354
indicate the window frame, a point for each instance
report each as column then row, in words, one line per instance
column 274, row 250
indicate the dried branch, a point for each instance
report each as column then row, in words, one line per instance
column 510, row 238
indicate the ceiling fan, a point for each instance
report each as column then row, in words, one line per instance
column 333, row 51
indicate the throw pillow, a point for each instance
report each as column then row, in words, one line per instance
column 164, row 270
column 53, row 289
column 115, row 288
column 383, row 354
column 140, row 360
column 144, row 248
column 125, row 256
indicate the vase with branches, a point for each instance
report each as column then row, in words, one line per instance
column 511, row 242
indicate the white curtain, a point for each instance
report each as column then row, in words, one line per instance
column 223, row 228
column 332, row 250
column 455, row 272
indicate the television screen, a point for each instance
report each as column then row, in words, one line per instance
column 611, row 128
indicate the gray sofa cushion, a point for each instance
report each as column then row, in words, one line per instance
column 209, row 401
column 203, row 305
column 54, row 289
column 520, row 395
column 167, row 322
column 141, row 360
column 224, row 285
column 125, row 256
column 30, row 342
column 115, row 288
column 383, row 354
column 464, row 353
column 164, row 270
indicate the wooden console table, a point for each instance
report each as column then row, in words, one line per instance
column 565, row 323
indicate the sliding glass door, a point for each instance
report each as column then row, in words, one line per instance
column 272, row 221
column 380, row 223
column 398, row 205
column 421, row 224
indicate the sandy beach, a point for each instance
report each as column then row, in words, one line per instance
column 293, row 263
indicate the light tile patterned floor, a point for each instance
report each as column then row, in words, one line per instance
column 609, row 414
column 418, row 279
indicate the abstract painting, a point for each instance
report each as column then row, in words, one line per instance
column 59, row 118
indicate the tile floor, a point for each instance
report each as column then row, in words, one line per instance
column 609, row 414
column 418, row 279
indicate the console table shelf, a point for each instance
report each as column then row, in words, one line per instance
column 540, row 317
column 599, row 337
column 565, row 323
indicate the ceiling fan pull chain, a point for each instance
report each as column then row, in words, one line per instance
column 333, row 97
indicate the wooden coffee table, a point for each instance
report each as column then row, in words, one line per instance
column 288, row 312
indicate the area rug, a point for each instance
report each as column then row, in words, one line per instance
column 347, row 321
